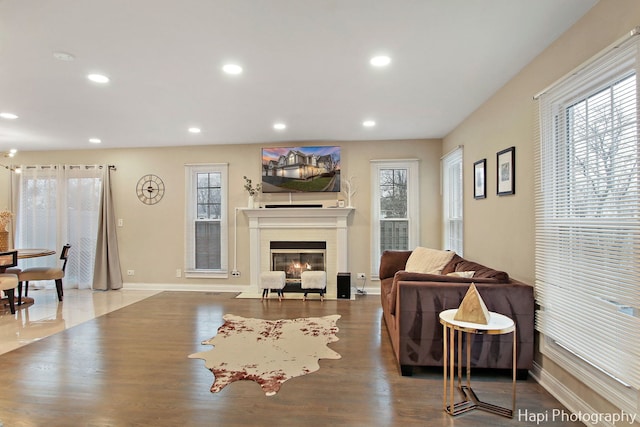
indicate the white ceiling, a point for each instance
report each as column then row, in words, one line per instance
column 306, row 63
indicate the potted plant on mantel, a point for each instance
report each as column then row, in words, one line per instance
column 253, row 191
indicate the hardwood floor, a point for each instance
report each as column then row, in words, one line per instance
column 129, row 367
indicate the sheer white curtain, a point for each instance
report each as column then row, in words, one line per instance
column 59, row 204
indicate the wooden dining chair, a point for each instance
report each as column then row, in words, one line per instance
column 8, row 281
column 46, row 273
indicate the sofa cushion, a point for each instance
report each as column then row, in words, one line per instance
column 458, row 263
column 429, row 261
column 451, row 266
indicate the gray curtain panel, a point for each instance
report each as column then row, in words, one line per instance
column 106, row 273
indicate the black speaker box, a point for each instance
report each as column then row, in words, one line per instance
column 344, row 285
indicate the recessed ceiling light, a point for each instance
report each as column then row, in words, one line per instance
column 232, row 69
column 8, row 116
column 380, row 61
column 95, row 140
column 195, row 130
column 98, row 78
column 368, row 123
column 63, row 56
column 279, row 126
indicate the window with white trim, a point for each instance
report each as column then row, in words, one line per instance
column 588, row 225
column 395, row 207
column 452, row 202
column 206, row 232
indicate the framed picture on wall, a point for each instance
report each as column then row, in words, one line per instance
column 506, row 170
column 480, row 179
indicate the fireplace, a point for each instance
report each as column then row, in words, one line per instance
column 298, row 224
column 294, row 257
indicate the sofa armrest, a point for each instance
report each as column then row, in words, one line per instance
column 392, row 262
column 499, row 297
column 420, row 303
column 405, row 276
column 426, row 277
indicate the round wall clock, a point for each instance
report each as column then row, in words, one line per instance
column 150, row 189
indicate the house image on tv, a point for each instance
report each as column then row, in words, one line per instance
column 298, row 165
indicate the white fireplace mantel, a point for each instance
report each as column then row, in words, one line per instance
column 297, row 212
column 290, row 224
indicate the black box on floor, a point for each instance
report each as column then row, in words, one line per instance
column 344, row 285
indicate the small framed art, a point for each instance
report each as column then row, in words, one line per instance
column 480, row 179
column 506, row 170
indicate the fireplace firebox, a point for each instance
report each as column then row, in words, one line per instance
column 294, row 257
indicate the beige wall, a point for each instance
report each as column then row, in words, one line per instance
column 499, row 231
column 151, row 242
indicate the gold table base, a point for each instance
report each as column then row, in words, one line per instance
column 470, row 399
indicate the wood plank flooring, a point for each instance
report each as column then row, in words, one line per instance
column 130, row 368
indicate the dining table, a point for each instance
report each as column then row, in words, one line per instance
column 34, row 253
column 27, row 253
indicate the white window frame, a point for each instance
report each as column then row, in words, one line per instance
column 413, row 206
column 453, row 201
column 191, row 171
column 617, row 61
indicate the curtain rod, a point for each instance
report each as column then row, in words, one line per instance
column 111, row 167
column 615, row 45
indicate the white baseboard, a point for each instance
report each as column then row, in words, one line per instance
column 566, row 396
column 215, row 288
column 367, row 290
column 184, row 287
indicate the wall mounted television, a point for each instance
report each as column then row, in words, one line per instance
column 301, row 169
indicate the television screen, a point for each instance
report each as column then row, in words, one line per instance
column 301, row 169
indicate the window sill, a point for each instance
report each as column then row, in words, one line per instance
column 206, row 274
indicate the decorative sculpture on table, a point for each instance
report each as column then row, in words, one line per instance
column 472, row 308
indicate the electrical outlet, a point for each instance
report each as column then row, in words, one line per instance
column 235, row 273
column 120, row 222
column 178, row 272
column 130, row 272
column 361, row 276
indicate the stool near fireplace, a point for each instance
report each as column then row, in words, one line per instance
column 272, row 280
column 314, row 281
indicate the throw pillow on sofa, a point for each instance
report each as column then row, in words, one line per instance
column 429, row 261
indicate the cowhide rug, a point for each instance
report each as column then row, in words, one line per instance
column 268, row 352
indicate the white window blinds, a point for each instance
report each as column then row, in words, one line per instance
column 452, row 192
column 587, row 221
column 206, row 236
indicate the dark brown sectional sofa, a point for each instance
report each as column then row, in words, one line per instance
column 411, row 303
